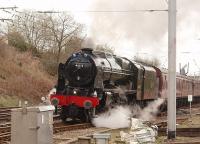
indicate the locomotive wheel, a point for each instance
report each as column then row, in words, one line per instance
column 86, row 115
column 63, row 118
column 63, row 114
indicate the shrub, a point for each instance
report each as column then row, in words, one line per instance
column 16, row 40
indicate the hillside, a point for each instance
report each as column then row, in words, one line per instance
column 22, row 77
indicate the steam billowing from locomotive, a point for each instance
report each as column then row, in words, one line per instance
column 120, row 116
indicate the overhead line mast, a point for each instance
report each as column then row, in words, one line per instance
column 171, row 106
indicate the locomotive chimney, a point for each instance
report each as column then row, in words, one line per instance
column 87, row 50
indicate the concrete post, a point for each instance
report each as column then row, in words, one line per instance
column 171, row 69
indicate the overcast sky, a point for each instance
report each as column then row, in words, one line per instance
column 131, row 33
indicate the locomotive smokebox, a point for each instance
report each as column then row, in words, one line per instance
column 80, row 69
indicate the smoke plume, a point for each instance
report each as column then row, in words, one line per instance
column 88, row 43
column 130, row 31
column 120, row 116
column 119, row 23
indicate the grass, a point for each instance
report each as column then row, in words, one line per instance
column 160, row 140
column 8, row 101
column 193, row 122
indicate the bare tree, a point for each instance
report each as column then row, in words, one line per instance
column 64, row 30
column 29, row 26
column 43, row 31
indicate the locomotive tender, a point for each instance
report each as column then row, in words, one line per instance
column 90, row 81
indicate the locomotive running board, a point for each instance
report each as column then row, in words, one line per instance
column 119, row 90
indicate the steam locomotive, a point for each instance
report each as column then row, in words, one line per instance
column 91, row 81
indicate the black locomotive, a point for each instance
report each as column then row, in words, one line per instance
column 90, row 81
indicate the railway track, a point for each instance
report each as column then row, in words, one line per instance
column 5, row 114
column 58, row 126
column 72, row 127
column 5, row 129
column 191, row 142
column 5, row 133
column 163, row 123
column 184, row 132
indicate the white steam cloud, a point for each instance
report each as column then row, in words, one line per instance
column 149, row 112
column 125, row 28
column 120, row 116
column 130, row 32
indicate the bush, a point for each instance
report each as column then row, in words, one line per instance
column 16, row 40
column 22, row 75
column 49, row 61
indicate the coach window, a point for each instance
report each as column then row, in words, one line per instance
column 181, row 84
column 184, row 85
column 190, row 85
column 178, row 83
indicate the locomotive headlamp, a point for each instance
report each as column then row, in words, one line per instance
column 87, row 104
column 43, row 99
column 54, row 101
column 74, row 92
column 95, row 94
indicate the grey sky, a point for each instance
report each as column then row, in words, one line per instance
column 132, row 33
